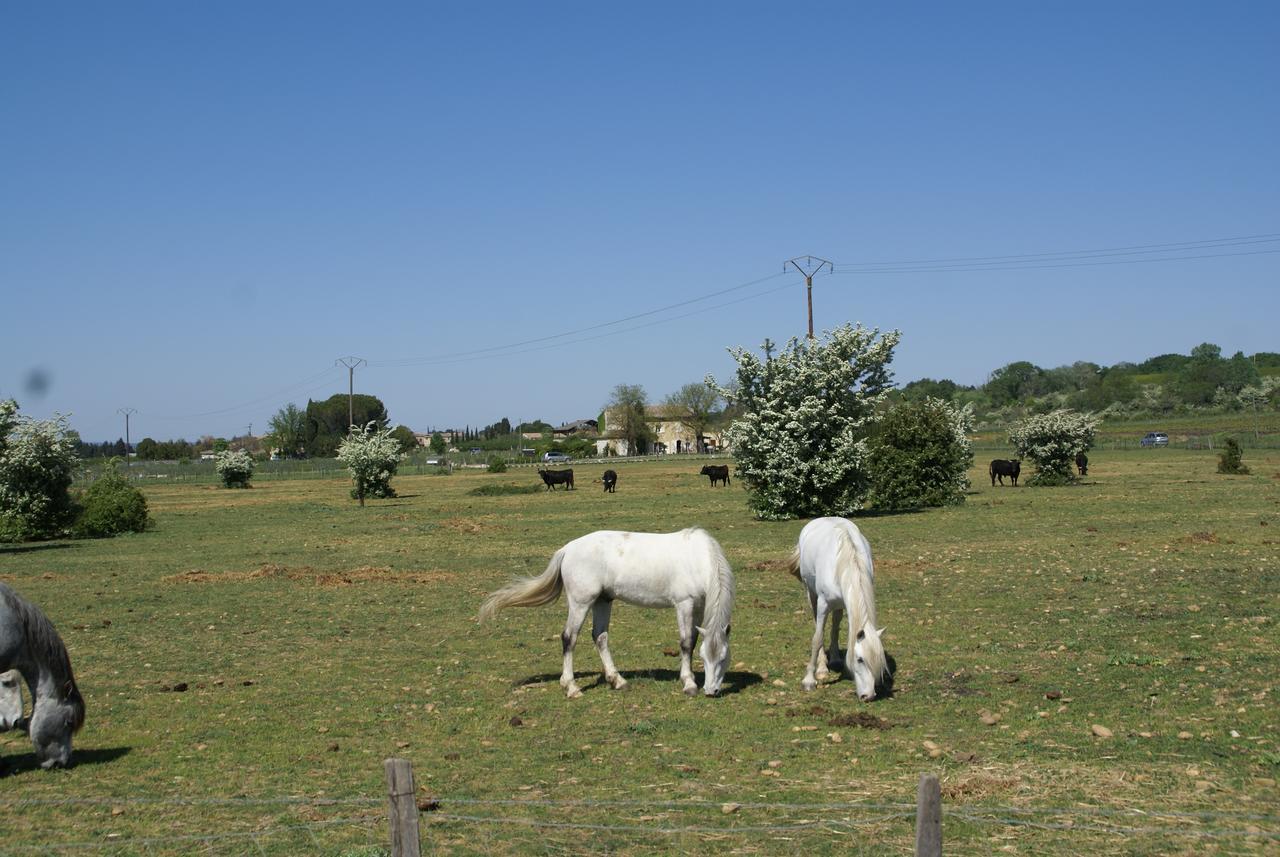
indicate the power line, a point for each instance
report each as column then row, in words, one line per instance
column 1018, row 266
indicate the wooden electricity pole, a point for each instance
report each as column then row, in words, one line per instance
column 808, row 269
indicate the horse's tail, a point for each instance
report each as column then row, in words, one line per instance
column 793, row 562
column 44, row 644
column 527, row 591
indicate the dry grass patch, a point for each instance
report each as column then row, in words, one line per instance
column 467, row 526
column 363, row 574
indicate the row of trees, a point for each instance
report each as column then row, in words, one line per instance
column 1203, row 378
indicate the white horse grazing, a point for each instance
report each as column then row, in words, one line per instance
column 686, row 570
column 833, row 560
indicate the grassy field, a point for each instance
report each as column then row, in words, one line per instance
column 250, row 662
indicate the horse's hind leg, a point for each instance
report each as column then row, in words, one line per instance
column 600, row 634
column 688, row 638
column 819, row 620
column 572, row 625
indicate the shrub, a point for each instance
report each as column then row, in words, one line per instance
column 920, row 455
column 799, row 440
column 235, row 467
column 38, row 460
column 1053, row 441
column 111, row 506
column 497, row 464
column 372, row 456
column 1229, row 461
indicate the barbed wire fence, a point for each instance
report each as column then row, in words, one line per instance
column 393, row 824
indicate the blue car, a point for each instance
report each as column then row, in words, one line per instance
column 1155, row 438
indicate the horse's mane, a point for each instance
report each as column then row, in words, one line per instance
column 856, row 577
column 718, row 608
column 46, row 647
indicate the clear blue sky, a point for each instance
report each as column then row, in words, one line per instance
column 202, row 206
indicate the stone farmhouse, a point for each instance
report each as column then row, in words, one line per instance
column 672, row 436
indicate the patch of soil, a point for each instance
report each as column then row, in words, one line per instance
column 1206, row 538
column 862, row 720
column 469, row 526
column 978, row 787
column 770, row 565
column 364, row 574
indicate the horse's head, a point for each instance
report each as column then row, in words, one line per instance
column 715, row 658
column 53, row 722
column 10, row 700
column 869, row 664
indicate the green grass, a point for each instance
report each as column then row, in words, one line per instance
column 316, row 638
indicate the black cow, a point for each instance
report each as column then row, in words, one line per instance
column 610, row 480
column 557, row 477
column 1000, row 468
column 1082, row 464
column 716, row 472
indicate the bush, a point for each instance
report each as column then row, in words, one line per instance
column 497, row 464
column 235, row 467
column 111, row 506
column 372, row 456
column 1229, row 461
column 920, row 456
column 1053, row 441
column 38, row 460
column 803, row 415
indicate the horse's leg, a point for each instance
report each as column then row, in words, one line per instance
column 821, row 673
column 572, row 625
column 834, row 659
column 600, row 634
column 819, row 620
column 688, row 638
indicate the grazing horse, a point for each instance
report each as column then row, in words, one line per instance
column 833, row 561
column 686, row 570
column 11, row 701
column 610, row 480
column 552, row 478
column 30, row 644
column 1082, row 464
column 716, row 472
column 1001, row 468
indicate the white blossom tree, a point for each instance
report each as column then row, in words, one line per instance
column 234, row 467
column 1053, row 441
column 38, row 461
column 801, row 421
column 372, row 456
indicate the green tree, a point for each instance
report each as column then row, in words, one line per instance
column 328, row 424
column 1015, row 382
column 695, row 404
column 803, row 415
column 111, row 506
column 147, row 449
column 287, row 431
column 1230, row 461
column 408, row 440
column 438, row 444
column 920, row 455
column 627, row 415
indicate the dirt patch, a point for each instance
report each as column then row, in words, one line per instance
column 770, row 565
column 469, row 526
column 979, row 786
column 1202, row 538
column 305, row 573
column 862, row 720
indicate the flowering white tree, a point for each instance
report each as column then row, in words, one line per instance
column 1053, row 441
column 799, row 437
column 234, row 466
column 38, row 461
column 372, row 455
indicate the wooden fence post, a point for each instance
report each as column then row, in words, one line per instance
column 403, row 800
column 928, row 817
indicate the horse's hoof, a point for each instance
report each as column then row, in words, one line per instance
column 618, row 682
column 691, row 690
column 822, row 675
column 808, row 684
column 573, row 691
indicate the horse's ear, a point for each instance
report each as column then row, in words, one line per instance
column 880, row 631
column 67, row 687
column 701, row 630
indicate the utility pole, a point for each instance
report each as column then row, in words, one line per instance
column 808, row 269
column 351, row 363
column 126, row 412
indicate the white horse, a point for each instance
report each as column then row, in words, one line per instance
column 833, row 560
column 10, row 701
column 30, row 644
column 686, row 570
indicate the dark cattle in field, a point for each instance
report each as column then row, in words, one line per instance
column 1082, row 464
column 557, row 477
column 716, row 472
column 1000, row 468
column 610, row 480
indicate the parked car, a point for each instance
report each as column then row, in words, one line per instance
column 1155, row 438
column 554, row 456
